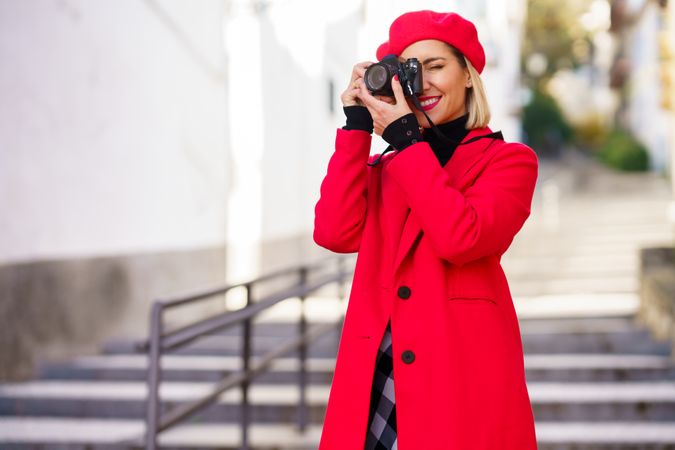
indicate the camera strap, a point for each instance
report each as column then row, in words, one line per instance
column 439, row 133
column 447, row 140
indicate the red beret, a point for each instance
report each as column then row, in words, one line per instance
column 447, row 27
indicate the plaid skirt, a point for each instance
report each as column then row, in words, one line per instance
column 381, row 431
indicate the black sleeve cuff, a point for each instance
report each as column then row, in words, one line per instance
column 358, row 118
column 403, row 132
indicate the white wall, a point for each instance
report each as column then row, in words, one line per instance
column 113, row 127
column 118, row 134
column 648, row 121
column 305, row 45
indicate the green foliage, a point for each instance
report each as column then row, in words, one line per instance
column 590, row 133
column 622, row 151
column 544, row 124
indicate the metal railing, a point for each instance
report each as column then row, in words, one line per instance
column 161, row 341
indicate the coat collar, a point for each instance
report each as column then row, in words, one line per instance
column 463, row 159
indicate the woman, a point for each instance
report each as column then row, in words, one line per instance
column 430, row 355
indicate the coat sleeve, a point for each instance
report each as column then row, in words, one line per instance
column 482, row 220
column 340, row 213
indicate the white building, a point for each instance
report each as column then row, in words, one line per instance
column 150, row 147
column 641, row 22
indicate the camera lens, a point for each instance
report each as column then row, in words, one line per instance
column 376, row 77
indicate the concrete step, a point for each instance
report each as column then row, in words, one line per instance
column 269, row 403
column 287, row 327
column 567, row 268
column 539, row 367
column 577, row 306
column 121, row 367
column 579, row 246
column 32, row 433
column 609, row 435
column 603, row 401
column 572, row 285
column 562, row 401
column 597, row 367
column 227, row 345
column 616, row 342
column 630, row 341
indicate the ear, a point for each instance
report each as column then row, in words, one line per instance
column 468, row 83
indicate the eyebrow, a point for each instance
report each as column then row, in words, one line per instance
column 429, row 60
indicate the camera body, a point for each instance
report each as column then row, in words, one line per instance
column 378, row 76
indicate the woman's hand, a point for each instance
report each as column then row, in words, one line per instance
column 384, row 110
column 350, row 96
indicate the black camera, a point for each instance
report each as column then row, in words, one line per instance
column 378, row 76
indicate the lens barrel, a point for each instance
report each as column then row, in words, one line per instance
column 377, row 77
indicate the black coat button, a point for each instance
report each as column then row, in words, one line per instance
column 408, row 356
column 404, row 292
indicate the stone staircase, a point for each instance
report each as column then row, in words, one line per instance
column 596, row 378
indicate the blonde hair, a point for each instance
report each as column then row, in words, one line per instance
column 476, row 99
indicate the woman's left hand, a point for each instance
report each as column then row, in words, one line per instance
column 387, row 110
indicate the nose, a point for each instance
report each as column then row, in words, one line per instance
column 426, row 85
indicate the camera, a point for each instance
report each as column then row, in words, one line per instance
column 378, row 76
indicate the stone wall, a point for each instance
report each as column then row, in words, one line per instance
column 657, row 291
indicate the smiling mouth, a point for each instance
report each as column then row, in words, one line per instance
column 429, row 102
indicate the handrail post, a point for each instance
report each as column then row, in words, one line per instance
column 153, row 377
column 246, row 359
column 341, row 273
column 302, row 355
column 341, row 293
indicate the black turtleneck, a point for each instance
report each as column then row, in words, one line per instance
column 405, row 131
column 401, row 134
column 455, row 130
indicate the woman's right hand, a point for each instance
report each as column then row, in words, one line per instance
column 349, row 96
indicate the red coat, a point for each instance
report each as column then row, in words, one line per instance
column 441, row 232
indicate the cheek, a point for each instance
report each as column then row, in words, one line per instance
column 455, row 94
column 452, row 84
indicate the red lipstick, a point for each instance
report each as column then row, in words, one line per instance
column 432, row 102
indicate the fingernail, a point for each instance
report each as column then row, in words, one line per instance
column 396, row 77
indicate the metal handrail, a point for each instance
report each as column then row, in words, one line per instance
column 160, row 341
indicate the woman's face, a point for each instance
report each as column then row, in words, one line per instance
column 445, row 82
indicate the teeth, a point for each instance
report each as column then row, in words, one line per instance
column 429, row 102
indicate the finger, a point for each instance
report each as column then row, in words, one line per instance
column 365, row 96
column 398, row 90
column 385, row 98
column 360, row 69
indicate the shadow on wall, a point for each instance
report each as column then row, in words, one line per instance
column 48, row 305
column 52, row 310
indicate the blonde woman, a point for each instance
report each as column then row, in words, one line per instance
column 430, row 355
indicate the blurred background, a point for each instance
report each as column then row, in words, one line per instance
column 156, row 148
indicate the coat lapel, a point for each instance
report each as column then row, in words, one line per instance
column 462, row 160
